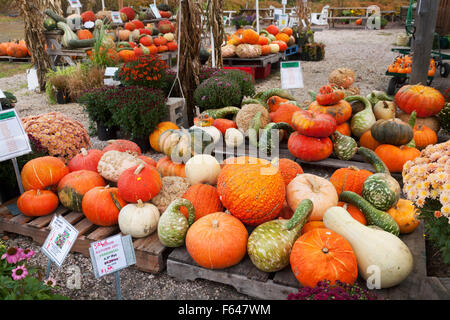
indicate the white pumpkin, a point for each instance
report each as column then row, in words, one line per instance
column 377, row 252
column 233, row 138
column 202, row 168
column 274, row 47
column 169, row 36
column 138, row 220
column 114, row 162
column 212, row 131
column 319, row 190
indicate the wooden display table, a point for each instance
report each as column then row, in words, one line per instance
column 56, row 51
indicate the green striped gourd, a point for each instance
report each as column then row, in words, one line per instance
column 344, row 147
column 282, row 93
column 380, row 189
column 269, row 245
column 362, row 120
column 222, row 113
column 173, row 225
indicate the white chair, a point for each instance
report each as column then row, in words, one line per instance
column 373, row 15
column 320, row 19
column 228, row 16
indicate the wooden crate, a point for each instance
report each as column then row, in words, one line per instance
column 249, row 280
column 253, row 62
column 14, row 59
column 151, row 255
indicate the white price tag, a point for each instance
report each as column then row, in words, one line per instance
column 115, row 15
column 13, row 138
column 2, row 95
column 74, row 3
column 291, row 75
column 110, row 71
column 32, row 79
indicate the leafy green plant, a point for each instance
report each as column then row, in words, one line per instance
column 137, row 110
column 217, row 92
column 57, row 80
column 103, row 52
column 96, row 102
column 242, row 78
column 21, row 281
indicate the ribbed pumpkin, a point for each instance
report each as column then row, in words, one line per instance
column 101, row 205
column 167, row 167
column 427, row 101
column 160, row 128
column 424, row 136
column 250, row 36
column 367, row 141
column 35, row 203
column 313, row 124
column 127, row 55
column 395, row 157
column 282, row 37
column 341, row 111
column 86, row 160
column 43, row 172
column 265, row 50
column 217, row 240
column 308, row 148
column 254, row 193
column 74, row 186
column 123, row 146
column 322, row 254
column 349, row 179
column 139, row 182
column 204, row 198
column 289, row 169
column 354, row 212
column 392, row 131
column 245, row 160
column 263, row 41
column 284, row 113
column 84, row 34
column 275, row 102
column 405, row 215
column 310, row 225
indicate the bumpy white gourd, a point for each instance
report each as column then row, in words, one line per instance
column 374, row 249
column 138, row 220
column 114, row 162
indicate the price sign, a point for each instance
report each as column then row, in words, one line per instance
column 155, row 11
column 283, row 20
column 291, row 75
column 2, row 95
column 115, row 15
column 74, row 3
column 112, row 254
column 60, row 240
column 13, row 138
column 110, row 71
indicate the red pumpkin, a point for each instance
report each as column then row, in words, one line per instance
column 224, row 124
column 139, row 182
column 88, row 16
column 340, row 111
column 101, row 205
column 148, row 160
column 313, row 124
column 284, row 113
column 275, row 102
column 426, row 101
column 281, row 44
column 159, row 41
column 204, row 198
column 86, row 160
column 172, row 46
column 130, row 26
column 273, row 29
column 35, row 203
column 309, row 148
column 138, row 24
column 146, row 40
column 328, row 96
column 84, row 34
column 123, row 146
column 43, row 172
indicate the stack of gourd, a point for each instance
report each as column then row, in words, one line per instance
column 16, row 49
column 403, row 63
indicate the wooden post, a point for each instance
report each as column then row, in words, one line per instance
column 120, row 3
column 422, row 42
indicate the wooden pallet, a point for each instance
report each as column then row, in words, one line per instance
column 14, row 59
column 262, row 61
column 151, row 255
column 249, row 280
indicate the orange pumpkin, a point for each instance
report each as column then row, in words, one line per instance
column 341, row 111
column 86, row 159
column 265, row 50
column 288, row 31
column 172, row 46
column 160, row 128
column 84, row 34
column 43, row 172
column 160, row 41
column 152, row 49
column 250, row 36
column 35, row 203
column 424, row 136
column 272, row 29
column 101, row 205
column 163, row 48
column 282, row 37
column 254, row 193
column 367, row 141
column 426, row 101
column 275, row 102
column 217, row 240
column 322, row 254
column 289, row 169
column 349, row 179
column 354, row 212
column 123, row 146
column 148, row 160
column 167, row 167
column 127, row 55
column 405, row 215
column 310, row 225
column 281, row 44
column 245, row 160
column 284, row 113
column 395, row 157
column 344, row 128
column 262, row 41
column 130, row 26
column 18, row 49
column 4, row 48
column 309, row 148
column 139, row 182
column 204, row 198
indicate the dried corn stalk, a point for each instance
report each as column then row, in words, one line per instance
column 214, row 11
column 303, row 12
column 189, row 59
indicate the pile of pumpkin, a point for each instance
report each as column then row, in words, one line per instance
column 16, row 49
column 247, row 43
column 403, row 63
column 293, row 217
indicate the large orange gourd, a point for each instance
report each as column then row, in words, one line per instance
column 101, row 205
column 254, row 193
column 322, row 254
column 43, row 172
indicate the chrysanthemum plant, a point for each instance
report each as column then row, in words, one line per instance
column 426, row 182
column 19, row 280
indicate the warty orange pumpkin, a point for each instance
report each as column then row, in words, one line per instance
column 204, row 198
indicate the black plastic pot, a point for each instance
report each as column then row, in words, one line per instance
column 62, row 97
column 106, row 133
column 143, row 143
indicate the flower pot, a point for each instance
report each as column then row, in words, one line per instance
column 62, row 97
column 143, row 143
column 106, row 133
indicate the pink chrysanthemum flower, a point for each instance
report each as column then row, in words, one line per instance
column 50, row 282
column 19, row 273
column 12, row 255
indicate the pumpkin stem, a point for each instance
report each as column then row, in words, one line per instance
column 139, row 169
column 38, row 192
column 325, row 250
column 140, row 204
column 215, row 224
column 84, row 152
column 107, row 186
column 313, row 185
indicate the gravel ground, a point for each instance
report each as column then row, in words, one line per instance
column 367, row 52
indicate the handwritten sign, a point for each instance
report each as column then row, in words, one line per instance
column 291, row 75
column 60, row 240
column 115, row 16
column 13, row 138
column 112, row 254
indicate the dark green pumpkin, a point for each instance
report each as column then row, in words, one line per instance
column 392, row 131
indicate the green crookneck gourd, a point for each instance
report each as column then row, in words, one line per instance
column 363, row 120
column 380, row 189
column 344, row 147
column 173, row 225
column 222, row 113
column 265, row 95
column 269, row 245
column 376, row 96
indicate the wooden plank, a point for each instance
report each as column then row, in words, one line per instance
column 286, row 277
column 103, row 232
column 151, row 244
column 20, row 219
column 84, row 226
column 74, row 217
column 45, row 220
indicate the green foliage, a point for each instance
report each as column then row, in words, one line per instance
column 242, row 78
column 436, row 229
column 444, row 117
column 217, row 92
column 9, row 101
column 57, row 79
column 100, row 56
column 97, row 104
